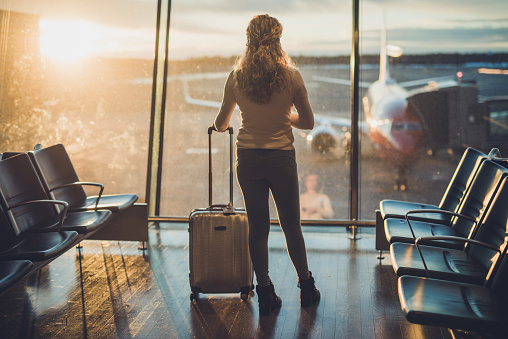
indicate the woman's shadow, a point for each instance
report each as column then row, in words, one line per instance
column 267, row 324
column 307, row 321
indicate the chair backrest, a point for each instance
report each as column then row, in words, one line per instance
column 19, row 183
column 492, row 230
column 7, row 234
column 478, row 197
column 461, row 179
column 6, row 155
column 55, row 169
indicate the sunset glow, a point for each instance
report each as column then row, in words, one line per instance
column 68, row 40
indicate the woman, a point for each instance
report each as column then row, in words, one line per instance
column 314, row 204
column 266, row 85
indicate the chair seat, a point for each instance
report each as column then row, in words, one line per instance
column 83, row 222
column 442, row 263
column 40, row 246
column 397, row 230
column 451, row 304
column 397, row 209
column 114, row 203
column 86, row 222
column 11, row 271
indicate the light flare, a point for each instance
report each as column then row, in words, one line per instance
column 68, row 39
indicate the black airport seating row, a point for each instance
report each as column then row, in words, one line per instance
column 451, row 259
column 45, row 210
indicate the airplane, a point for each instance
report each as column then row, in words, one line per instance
column 390, row 123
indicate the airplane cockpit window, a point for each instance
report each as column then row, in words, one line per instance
column 406, row 126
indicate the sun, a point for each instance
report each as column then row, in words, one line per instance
column 69, row 40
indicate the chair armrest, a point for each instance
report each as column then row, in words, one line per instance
column 438, row 212
column 421, row 240
column 82, row 183
column 408, row 213
column 54, row 202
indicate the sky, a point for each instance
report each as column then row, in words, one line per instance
column 126, row 28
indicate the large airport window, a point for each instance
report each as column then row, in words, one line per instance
column 203, row 46
column 80, row 73
column 431, row 84
column 426, row 80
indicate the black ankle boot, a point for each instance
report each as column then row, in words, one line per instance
column 267, row 298
column 309, row 294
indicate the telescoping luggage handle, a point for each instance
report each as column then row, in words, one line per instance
column 227, row 209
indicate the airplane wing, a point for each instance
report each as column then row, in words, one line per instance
column 322, row 119
column 339, row 81
column 424, row 82
column 200, row 102
column 199, row 76
column 412, row 83
column 338, row 123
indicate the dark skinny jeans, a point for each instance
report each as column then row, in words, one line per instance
column 260, row 171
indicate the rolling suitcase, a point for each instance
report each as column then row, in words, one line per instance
column 219, row 258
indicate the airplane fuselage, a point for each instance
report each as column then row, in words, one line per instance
column 392, row 126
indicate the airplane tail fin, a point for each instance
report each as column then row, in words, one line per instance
column 386, row 51
column 384, row 72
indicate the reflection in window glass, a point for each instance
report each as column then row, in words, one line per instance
column 79, row 73
column 427, row 106
column 204, row 44
column 498, row 122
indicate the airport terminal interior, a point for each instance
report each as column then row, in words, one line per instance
column 106, row 156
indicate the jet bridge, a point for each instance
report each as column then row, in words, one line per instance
column 451, row 115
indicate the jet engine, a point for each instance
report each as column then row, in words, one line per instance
column 325, row 140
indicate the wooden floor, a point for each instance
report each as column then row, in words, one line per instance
column 116, row 290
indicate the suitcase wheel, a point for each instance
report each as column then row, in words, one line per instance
column 245, row 292
column 193, row 296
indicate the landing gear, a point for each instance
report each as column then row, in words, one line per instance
column 400, row 185
column 400, row 181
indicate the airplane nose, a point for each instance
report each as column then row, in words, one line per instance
column 406, row 143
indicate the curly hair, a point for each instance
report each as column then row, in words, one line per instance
column 264, row 67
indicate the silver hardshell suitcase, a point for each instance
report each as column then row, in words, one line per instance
column 219, row 256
